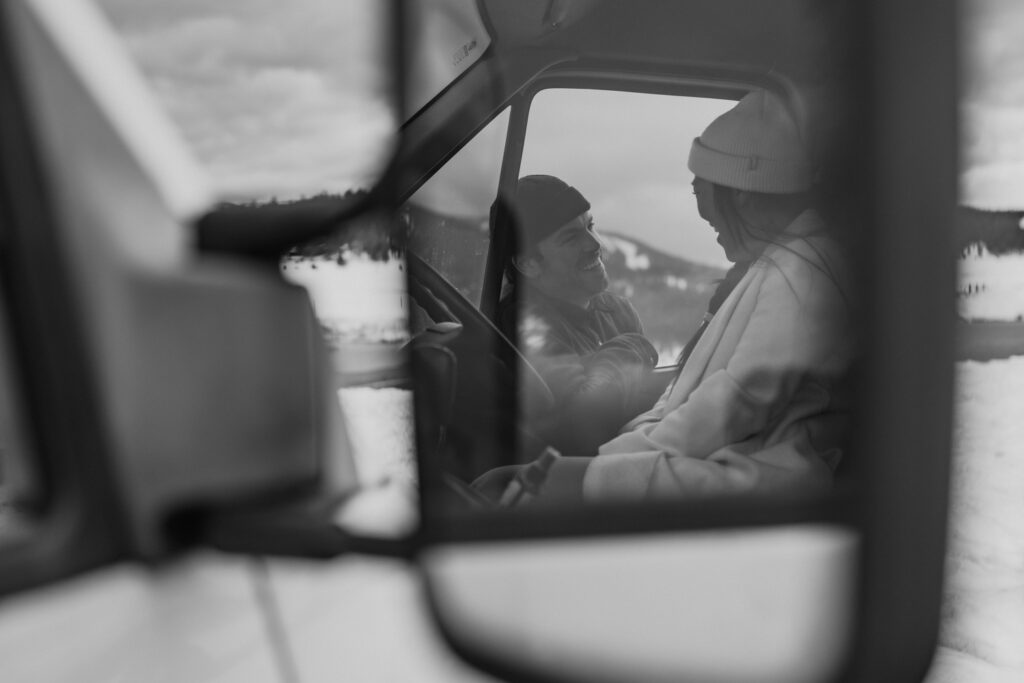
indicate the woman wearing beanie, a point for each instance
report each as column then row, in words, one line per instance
column 761, row 402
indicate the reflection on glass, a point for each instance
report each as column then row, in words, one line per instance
column 686, row 302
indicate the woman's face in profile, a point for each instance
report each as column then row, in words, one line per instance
column 704, row 191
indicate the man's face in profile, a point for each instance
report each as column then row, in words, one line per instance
column 570, row 266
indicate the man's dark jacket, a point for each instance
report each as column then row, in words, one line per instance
column 596, row 362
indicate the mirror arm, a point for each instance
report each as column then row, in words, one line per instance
column 307, row 528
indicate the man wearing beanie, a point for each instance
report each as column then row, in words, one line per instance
column 586, row 342
column 762, row 402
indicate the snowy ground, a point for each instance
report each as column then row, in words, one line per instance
column 380, row 427
column 983, row 611
column 361, row 299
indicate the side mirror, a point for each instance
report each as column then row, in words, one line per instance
column 812, row 585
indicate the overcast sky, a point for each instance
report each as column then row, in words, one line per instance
column 278, row 98
column 993, row 110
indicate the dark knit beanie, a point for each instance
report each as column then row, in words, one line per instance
column 542, row 205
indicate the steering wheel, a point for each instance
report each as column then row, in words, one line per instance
column 489, row 367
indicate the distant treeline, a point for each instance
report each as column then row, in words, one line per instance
column 999, row 232
column 374, row 235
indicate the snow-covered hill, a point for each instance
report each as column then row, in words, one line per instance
column 630, row 258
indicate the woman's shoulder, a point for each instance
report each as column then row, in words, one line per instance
column 808, row 263
column 803, row 251
column 806, row 242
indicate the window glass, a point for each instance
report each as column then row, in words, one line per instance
column 292, row 103
column 356, row 281
column 449, row 216
column 626, row 153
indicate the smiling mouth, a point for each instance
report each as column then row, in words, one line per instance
column 596, row 263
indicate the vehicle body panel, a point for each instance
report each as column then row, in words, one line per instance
column 196, row 619
column 362, row 619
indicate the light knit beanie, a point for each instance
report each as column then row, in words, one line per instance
column 755, row 146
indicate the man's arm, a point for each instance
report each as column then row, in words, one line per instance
column 597, row 393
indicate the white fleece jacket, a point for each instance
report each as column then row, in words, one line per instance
column 762, row 403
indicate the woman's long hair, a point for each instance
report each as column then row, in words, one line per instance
column 746, row 234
